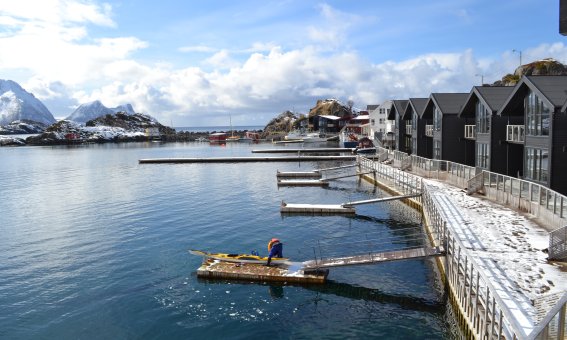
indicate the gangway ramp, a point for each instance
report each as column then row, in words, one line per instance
column 344, row 208
column 371, row 258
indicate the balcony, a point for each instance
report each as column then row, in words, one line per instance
column 429, row 130
column 515, row 133
column 470, row 131
column 408, row 129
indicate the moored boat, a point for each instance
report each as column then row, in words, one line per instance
column 217, row 138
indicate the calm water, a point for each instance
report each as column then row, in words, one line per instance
column 94, row 246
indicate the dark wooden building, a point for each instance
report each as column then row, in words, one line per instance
column 447, row 128
column 420, row 145
column 542, row 102
column 488, row 130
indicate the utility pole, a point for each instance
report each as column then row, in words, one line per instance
column 481, row 78
column 520, row 53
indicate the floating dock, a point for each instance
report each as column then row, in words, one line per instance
column 299, row 174
column 303, row 183
column 344, row 208
column 302, row 150
column 303, row 158
column 290, row 208
column 258, row 272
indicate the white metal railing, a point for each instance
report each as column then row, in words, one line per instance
column 429, row 130
column 515, row 133
column 533, row 198
column 478, row 299
column 470, row 131
column 558, row 244
column 408, row 129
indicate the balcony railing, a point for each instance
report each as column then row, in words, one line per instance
column 429, row 130
column 470, row 131
column 515, row 133
column 408, row 129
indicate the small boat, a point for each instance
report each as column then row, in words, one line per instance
column 365, row 146
column 218, row 138
column 239, row 258
column 305, row 137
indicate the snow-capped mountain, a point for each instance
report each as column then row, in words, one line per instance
column 18, row 104
column 92, row 110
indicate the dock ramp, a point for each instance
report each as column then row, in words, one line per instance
column 386, row 256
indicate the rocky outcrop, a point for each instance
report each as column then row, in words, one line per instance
column 119, row 127
column 544, row 67
column 22, row 127
column 279, row 126
column 330, row 107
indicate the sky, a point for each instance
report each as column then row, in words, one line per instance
column 216, row 62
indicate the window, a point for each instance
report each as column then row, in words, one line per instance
column 414, row 145
column 436, row 149
column 537, row 116
column 414, row 121
column 536, row 164
column 482, row 155
column 482, row 115
column 437, row 119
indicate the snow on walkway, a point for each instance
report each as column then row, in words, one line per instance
column 507, row 245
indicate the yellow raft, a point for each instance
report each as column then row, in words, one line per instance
column 240, row 258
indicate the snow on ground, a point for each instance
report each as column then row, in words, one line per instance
column 507, row 245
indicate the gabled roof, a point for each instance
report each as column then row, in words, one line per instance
column 492, row 97
column 550, row 89
column 415, row 105
column 448, row 104
column 398, row 106
column 371, row 108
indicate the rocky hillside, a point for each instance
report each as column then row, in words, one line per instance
column 22, row 127
column 330, row 107
column 548, row 66
column 280, row 126
column 119, row 127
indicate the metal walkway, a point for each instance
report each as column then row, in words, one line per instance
column 386, row 256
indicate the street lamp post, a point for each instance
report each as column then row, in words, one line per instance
column 520, row 53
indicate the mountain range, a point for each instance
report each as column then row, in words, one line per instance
column 92, row 110
column 18, row 104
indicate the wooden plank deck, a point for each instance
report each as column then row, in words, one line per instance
column 387, row 256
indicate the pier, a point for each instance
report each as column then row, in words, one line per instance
column 246, row 159
column 340, row 209
column 306, row 150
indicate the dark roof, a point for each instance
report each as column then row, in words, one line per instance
column 415, row 105
column 448, row 104
column 398, row 106
column 492, row 97
column 551, row 89
column 371, row 108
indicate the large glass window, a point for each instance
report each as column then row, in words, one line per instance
column 414, row 121
column 538, row 116
column 482, row 155
column 436, row 149
column 482, row 115
column 437, row 119
column 536, row 164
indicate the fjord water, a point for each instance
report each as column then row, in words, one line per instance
column 94, row 246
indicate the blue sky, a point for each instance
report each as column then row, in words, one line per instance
column 195, row 63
